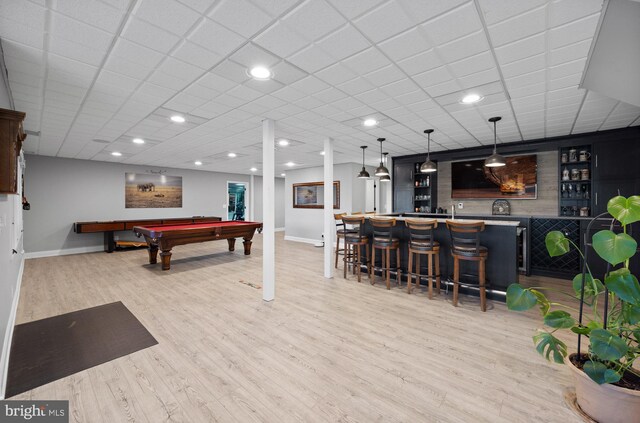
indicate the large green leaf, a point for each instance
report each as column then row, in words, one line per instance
column 626, row 210
column 557, row 244
column 624, row 285
column 614, row 248
column 600, row 373
column 607, row 345
column 547, row 344
column 559, row 319
column 519, row 298
column 543, row 302
column 632, row 313
column 592, row 287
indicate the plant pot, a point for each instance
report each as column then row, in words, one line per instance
column 604, row 403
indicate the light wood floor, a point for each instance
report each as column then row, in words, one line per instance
column 323, row 351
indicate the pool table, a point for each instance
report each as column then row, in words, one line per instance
column 165, row 237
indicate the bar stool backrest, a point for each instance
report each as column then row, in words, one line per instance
column 465, row 236
column 338, row 218
column 355, row 222
column 421, row 230
column 382, row 227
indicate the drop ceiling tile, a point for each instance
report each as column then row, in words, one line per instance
column 354, row 8
column 400, row 87
column 149, row 35
column 469, row 45
column 289, row 94
column 433, row 76
column 562, row 12
column 565, row 69
column 195, row 55
column 180, row 69
column 336, row 74
column 518, row 27
column 420, row 62
column 385, row 75
column 344, row 43
column 169, row 14
column 384, row 21
column 479, row 62
column 11, row 30
column 72, row 30
column 330, row 95
column 136, row 53
column 275, row 7
column 216, row 82
column 240, row 16
column 573, row 32
column 453, row 24
column 72, row 50
column 251, row 55
column 499, row 10
column 215, row 37
column 287, row 73
column 312, row 59
column 443, row 88
column 24, row 14
column 314, row 18
column 245, row 93
column 231, row 71
column 356, row 86
column 523, row 66
column 521, row 49
column 405, row 45
column 366, row 61
column 568, row 53
column 265, row 87
column 93, row 12
column 281, row 40
column 310, row 85
column 567, row 81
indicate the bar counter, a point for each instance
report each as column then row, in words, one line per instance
column 499, row 236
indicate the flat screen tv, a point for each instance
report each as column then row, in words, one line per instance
column 517, row 180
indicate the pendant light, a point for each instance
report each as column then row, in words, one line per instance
column 363, row 173
column 381, row 170
column 385, row 178
column 428, row 166
column 495, row 160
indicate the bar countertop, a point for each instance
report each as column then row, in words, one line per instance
column 444, row 219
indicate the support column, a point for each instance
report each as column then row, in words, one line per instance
column 252, row 196
column 268, row 211
column 329, row 225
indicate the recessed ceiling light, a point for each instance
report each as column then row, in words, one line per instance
column 253, row 169
column 178, row 119
column 370, row 122
column 322, row 153
column 197, row 163
column 283, row 143
column 260, row 72
column 290, row 164
column 232, row 155
column 283, row 174
column 471, row 98
column 138, row 141
column 116, row 153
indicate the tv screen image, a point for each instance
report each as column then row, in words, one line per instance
column 517, row 180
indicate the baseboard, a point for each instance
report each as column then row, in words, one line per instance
column 8, row 336
column 65, row 252
column 305, row 240
column 278, row 230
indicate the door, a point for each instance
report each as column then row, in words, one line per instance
column 236, row 200
column 402, row 187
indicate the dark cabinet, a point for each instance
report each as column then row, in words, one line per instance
column 11, row 138
column 575, row 190
column 615, row 170
column 565, row 266
column 413, row 191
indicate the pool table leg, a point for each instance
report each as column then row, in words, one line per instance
column 232, row 244
column 247, row 246
column 165, row 256
column 153, row 254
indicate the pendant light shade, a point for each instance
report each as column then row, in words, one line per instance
column 495, row 160
column 428, row 166
column 381, row 170
column 385, row 178
column 363, row 173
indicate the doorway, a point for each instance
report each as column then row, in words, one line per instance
column 236, row 200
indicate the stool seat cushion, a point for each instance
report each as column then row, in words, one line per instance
column 347, row 231
column 385, row 242
column 424, row 245
column 355, row 238
column 469, row 251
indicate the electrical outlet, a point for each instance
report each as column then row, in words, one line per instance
column 461, row 205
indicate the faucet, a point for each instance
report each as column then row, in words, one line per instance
column 453, row 211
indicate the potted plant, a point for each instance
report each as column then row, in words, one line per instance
column 606, row 375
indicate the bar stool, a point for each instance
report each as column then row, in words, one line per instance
column 465, row 245
column 383, row 240
column 421, row 243
column 354, row 241
column 341, row 230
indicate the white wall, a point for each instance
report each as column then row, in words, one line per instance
column 280, row 201
column 10, row 263
column 307, row 224
column 62, row 191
